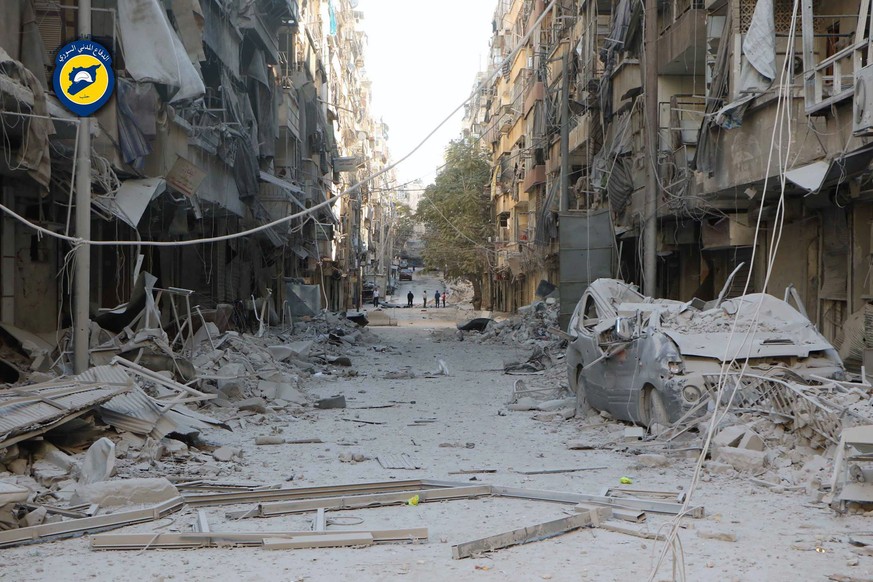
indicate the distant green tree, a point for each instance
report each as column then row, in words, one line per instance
column 404, row 224
column 456, row 212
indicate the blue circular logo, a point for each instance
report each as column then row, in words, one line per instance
column 83, row 78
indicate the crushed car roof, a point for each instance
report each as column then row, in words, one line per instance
column 754, row 325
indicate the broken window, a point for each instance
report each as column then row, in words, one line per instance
column 591, row 315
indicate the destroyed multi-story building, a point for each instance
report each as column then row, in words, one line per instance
column 226, row 116
column 759, row 148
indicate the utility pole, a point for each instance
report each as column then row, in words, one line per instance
column 650, row 225
column 565, row 132
column 82, row 277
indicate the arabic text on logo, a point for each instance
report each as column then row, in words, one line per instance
column 83, row 77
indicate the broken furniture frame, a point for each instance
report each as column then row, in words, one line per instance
column 65, row 529
column 591, row 510
column 188, row 324
column 852, row 468
column 155, row 541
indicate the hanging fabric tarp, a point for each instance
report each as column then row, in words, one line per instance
column 33, row 155
column 759, row 65
column 152, row 49
column 137, row 107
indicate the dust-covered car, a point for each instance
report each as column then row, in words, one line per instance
column 651, row 361
column 405, row 275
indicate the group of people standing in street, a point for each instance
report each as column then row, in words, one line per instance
column 437, row 296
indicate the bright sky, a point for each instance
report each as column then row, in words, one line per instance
column 422, row 57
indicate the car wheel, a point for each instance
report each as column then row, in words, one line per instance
column 654, row 411
column 582, row 405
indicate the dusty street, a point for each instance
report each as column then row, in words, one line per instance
column 453, row 423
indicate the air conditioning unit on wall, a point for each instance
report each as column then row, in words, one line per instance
column 862, row 106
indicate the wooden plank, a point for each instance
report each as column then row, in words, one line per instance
column 630, row 515
column 320, row 520
column 558, row 471
column 333, row 540
column 202, row 523
column 362, row 501
column 524, row 535
column 627, row 530
column 236, row 497
column 154, row 541
column 64, row 529
column 651, row 505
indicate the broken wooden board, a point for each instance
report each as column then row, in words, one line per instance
column 558, row 471
column 632, row 531
column 331, row 540
column 155, row 541
column 651, row 505
column 237, row 497
column 361, row 501
column 401, row 461
column 525, row 535
column 65, row 529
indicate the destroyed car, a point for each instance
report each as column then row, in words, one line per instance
column 653, row 361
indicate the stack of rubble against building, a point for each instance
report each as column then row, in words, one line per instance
column 144, row 408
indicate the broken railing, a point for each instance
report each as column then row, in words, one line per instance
column 818, row 405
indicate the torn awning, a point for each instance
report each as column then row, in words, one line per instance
column 290, row 188
column 131, row 200
column 817, row 175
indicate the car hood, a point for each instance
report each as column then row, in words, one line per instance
column 752, row 326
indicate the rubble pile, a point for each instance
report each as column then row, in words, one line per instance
column 529, row 327
column 121, row 433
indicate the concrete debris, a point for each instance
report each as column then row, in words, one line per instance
column 353, row 458
column 338, row 401
column 99, row 462
column 742, row 460
column 126, row 492
column 10, row 493
column 226, row 454
column 255, row 404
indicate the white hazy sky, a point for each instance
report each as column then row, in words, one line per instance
column 422, row 57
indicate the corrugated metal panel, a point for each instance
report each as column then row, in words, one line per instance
column 137, row 413
column 27, row 408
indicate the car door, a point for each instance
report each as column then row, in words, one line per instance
column 588, row 316
column 621, row 374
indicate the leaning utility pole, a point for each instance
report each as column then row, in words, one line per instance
column 565, row 132
column 650, row 224
column 82, row 276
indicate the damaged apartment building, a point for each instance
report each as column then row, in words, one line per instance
column 227, row 115
column 761, row 148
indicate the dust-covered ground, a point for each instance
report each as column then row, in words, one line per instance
column 460, row 422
